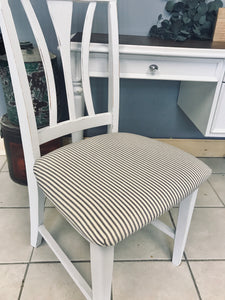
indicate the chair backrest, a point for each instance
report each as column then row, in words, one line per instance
column 61, row 15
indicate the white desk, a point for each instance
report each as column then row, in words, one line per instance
column 198, row 66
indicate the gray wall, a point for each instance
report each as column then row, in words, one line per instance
column 147, row 107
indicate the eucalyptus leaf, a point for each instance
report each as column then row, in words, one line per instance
column 179, row 6
column 219, row 3
column 176, row 27
column 207, row 25
column 160, row 17
column 169, row 6
column 214, row 5
column 153, row 31
column 165, row 24
column 175, row 16
column 191, row 13
column 193, row 3
column 197, row 31
column 202, row 9
column 186, row 20
column 181, row 38
column 197, row 17
column 184, row 32
column 202, row 20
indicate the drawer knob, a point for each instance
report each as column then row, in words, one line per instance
column 153, row 68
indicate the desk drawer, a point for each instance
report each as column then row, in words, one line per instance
column 168, row 68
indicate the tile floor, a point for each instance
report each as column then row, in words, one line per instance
column 142, row 269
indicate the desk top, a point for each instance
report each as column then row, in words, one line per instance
column 148, row 41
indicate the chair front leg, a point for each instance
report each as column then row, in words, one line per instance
column 183, row 223
column 101, row 271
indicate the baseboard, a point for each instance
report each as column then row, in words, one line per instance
column 2, row 148
column 199, row 148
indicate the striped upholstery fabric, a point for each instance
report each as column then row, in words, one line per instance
column 112, row 185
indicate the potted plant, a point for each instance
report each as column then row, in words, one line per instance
column 189, row 19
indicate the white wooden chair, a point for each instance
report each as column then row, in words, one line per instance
column 109, row 186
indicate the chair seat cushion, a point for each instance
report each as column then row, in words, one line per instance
column 112, row 185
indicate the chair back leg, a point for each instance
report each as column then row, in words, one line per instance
column 183, row 223
column 37, row 206
column 101, row 271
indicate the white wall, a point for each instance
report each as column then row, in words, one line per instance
column 135, row 16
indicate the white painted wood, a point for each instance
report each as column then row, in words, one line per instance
column 113, row 66
column 27, row 121
column 66, row 127
column 156, row 50
column 164, row 228
column 183, row 223
column 61, row 14
column 218, row 124
column 86, row 36
column 137, row 67
column 196, row 99
column 21, row 86
column 174, row 68
column 78, row 92
column 70, row 268
column 101, row 271
column 46, row 60
column 37, row 207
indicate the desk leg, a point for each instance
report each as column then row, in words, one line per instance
column 78, row 92
column 79, row 106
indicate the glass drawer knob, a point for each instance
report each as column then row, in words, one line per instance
column 153, row 68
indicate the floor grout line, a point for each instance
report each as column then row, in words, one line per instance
column 209, row 207
column 219, row 173
column 14, row 207
column 21, row 207
column 25, row 275
column 192, row 276
column 216, row 193
column 1, row 169
column 186, row 260
column 206, row 259
column 13, row 263
column 116, row 261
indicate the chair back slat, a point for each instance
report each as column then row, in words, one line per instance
column 66, row 127
column 86, row 37
column 113, row 65
column 46, row 60
column 61, row 14
column 21, row 87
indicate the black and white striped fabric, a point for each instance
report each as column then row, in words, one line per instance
column 112, row 185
